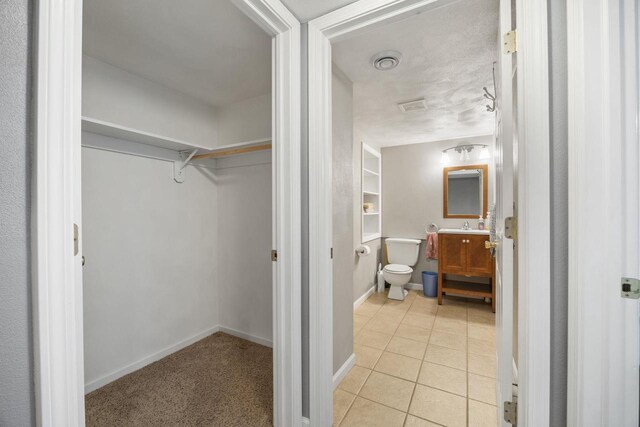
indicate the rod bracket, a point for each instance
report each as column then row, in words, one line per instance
column 179, row 166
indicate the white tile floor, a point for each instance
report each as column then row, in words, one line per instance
column 419, row 364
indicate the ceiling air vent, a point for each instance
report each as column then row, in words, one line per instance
column 387, row 60
column 411, row 106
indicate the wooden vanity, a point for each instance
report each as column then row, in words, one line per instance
column 465, row 255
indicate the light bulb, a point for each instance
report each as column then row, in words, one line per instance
column 484, row 153
column 445, row 158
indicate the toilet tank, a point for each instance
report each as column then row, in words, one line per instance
column 402, row 251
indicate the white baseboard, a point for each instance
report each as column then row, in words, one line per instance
column 245, row 336
column 344, row 370
column 305, row 421
column 102, row 381
column 364, row 297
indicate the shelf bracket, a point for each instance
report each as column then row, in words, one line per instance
column 180, row 165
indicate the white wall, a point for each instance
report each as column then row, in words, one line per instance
column 151, row 253
column 412, row 192
column 245, row 120
column 342, row 217
column 117, row 96
column 120, row 97
column 17, row 394
column 244, row 245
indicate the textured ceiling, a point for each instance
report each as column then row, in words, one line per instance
column 206, row 49
column 447, row 58
column 306, row 10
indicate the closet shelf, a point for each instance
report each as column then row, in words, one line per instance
column 145, row 144
column 122, row 132
column 101, row 127
column 370, row 172
column 370, row 193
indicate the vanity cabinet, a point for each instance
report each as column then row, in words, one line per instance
column 465, row 255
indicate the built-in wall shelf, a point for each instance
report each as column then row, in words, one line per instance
column 369, row 237
column 371, row 194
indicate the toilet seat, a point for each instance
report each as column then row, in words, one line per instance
column 398, row 268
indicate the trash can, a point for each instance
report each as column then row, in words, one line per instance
column 430, row 284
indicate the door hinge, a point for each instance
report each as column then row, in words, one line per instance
column 76, row 239
column 511, row 412
column 511, row 227
column 630, row 288
column 274, row 255
column 510, row 42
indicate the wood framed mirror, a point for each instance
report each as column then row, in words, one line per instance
column 465, row 191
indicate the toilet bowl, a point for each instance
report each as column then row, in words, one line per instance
column 402, row 254
column 397, row 275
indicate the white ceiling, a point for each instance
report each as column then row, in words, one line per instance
column 206, row 49
column 447, row 59
column 306, row 10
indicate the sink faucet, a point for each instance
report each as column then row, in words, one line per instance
column 466, row 225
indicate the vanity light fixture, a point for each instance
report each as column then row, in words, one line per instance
column 464, row 151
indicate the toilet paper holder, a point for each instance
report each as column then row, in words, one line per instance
column 363, row 250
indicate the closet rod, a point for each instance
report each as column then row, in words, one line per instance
column 224, row 153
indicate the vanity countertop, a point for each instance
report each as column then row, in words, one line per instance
column 461, row 231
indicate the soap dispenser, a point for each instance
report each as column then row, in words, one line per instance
column 481, row 223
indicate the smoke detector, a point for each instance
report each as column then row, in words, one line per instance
column 387, row 60
column 411, row 106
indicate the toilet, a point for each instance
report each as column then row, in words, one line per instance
column 402, row 254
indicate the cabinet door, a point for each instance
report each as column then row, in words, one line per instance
column 452, row 253
column 479, row 261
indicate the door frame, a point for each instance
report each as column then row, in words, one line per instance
column 604, row 197
column 57, row 284
column 504, row 178
column 534, row 224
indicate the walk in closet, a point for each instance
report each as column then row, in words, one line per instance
column 177, row 214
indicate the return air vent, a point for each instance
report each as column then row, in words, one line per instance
column 412, row 106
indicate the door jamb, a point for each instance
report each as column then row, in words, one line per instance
column 57, row 287
column 534, row 224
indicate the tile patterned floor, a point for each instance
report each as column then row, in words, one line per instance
column 419, row 364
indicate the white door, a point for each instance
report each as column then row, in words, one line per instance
column 604, row 196
column 506, row 291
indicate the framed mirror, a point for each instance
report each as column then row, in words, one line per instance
column 465, row 191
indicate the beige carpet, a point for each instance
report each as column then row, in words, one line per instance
column 218, row 381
